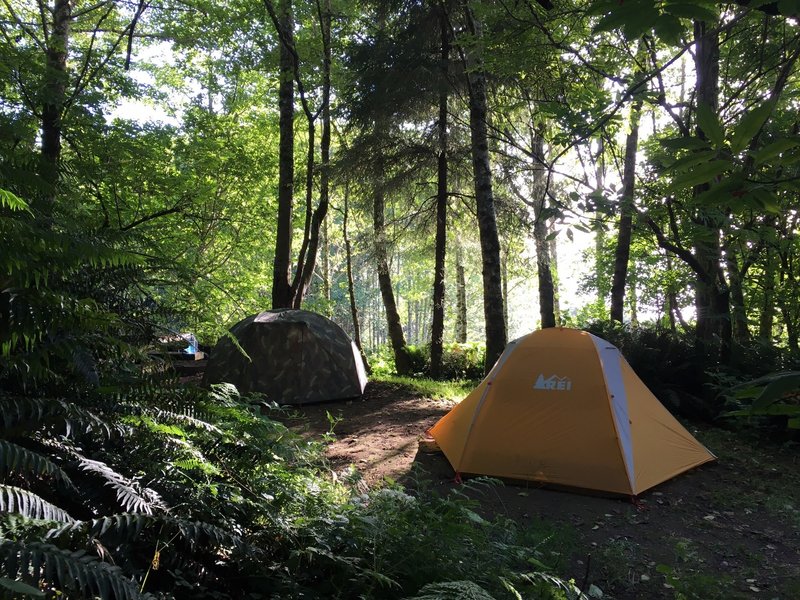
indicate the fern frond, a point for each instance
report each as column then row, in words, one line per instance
column 194, row 532
column 184, row 418
column 28, row 464
column 127, row 527
column 13, row 202
column 568, row 589
column 71, row 572
column 132, row 496
column 452, row 590
column 28, row 504
column 32, row 413
column 17, row 588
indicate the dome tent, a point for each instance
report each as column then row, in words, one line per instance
column 563, row 406
column 293, row 357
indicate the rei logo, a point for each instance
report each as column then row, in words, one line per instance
column 553, row 383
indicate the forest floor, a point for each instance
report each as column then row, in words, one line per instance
column 728, row 529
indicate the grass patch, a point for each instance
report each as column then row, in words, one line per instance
column 451, row 391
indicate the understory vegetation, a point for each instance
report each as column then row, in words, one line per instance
column 118, row 481
column 437, row 178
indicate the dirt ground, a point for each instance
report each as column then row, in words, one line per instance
column 729, row 529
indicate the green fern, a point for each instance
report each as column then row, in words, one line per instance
column 131, row 496
column 29, row 414
column 28, row 504
column 18, row 588
column 74, row 574
column 127, row 527
column 453, row 590
column 12, row 201
column 26, row 463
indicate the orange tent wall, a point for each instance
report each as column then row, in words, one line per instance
column 548, row 412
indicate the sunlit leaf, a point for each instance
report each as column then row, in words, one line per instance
column 691, row 10
column 708, row 121
column 692, row 160
column 701, row 174
column 776, row 389
column 749, row 126
column 684, row 143
column 669, row 29
column 773, row 149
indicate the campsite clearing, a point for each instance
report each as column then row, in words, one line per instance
column 728, row 529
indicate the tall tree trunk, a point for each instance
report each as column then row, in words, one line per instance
column 711, row 297
column 634, row 301
column 741, row 331
column 307, row 261
column 671, row 300
column 402, row 363
column 544, row 274
column 351, row 288
column 437, row 322
column 552, row 245
column 600, row 266
column 55, row 83
column 326, row 267
column 622, row 252
column 281, row 271
column 461, row 298
column 487, row 222
column 766, row 319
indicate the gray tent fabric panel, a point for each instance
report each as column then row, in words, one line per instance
column 295, row 357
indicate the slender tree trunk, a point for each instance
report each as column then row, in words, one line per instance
column 296, row 289
column 741, row 331
column 326, row 266
column 600, row 265
column 351, row 288
column 281, row 272
column 623, row 249
column 504, row 280
column 634, row 301
column 671, row 300
column 461, row 298
column 552, row 244
column 487, row 222
column 767, row 318
column 55, row 84
column 544, row 274
column 394, row 327
column 308, row 259
column 437, row 322
column 791, row 329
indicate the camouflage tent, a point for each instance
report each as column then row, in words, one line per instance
column 295, row 357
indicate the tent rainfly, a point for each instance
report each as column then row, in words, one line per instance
column 292, row 356
column 564, row 407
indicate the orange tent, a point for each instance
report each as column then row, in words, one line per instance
column 563, row 406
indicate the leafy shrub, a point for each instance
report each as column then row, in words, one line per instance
column 667, row 363
column 404, row 543
column 459, row 361
column 691, row 382
column 463, row 361
column 771, row 401
column 381, row 361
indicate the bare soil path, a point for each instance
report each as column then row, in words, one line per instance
column 729, row 529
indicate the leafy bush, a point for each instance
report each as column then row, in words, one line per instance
column 772, row 400
column 667, row 363
column 459, row 361
column 404, row 543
